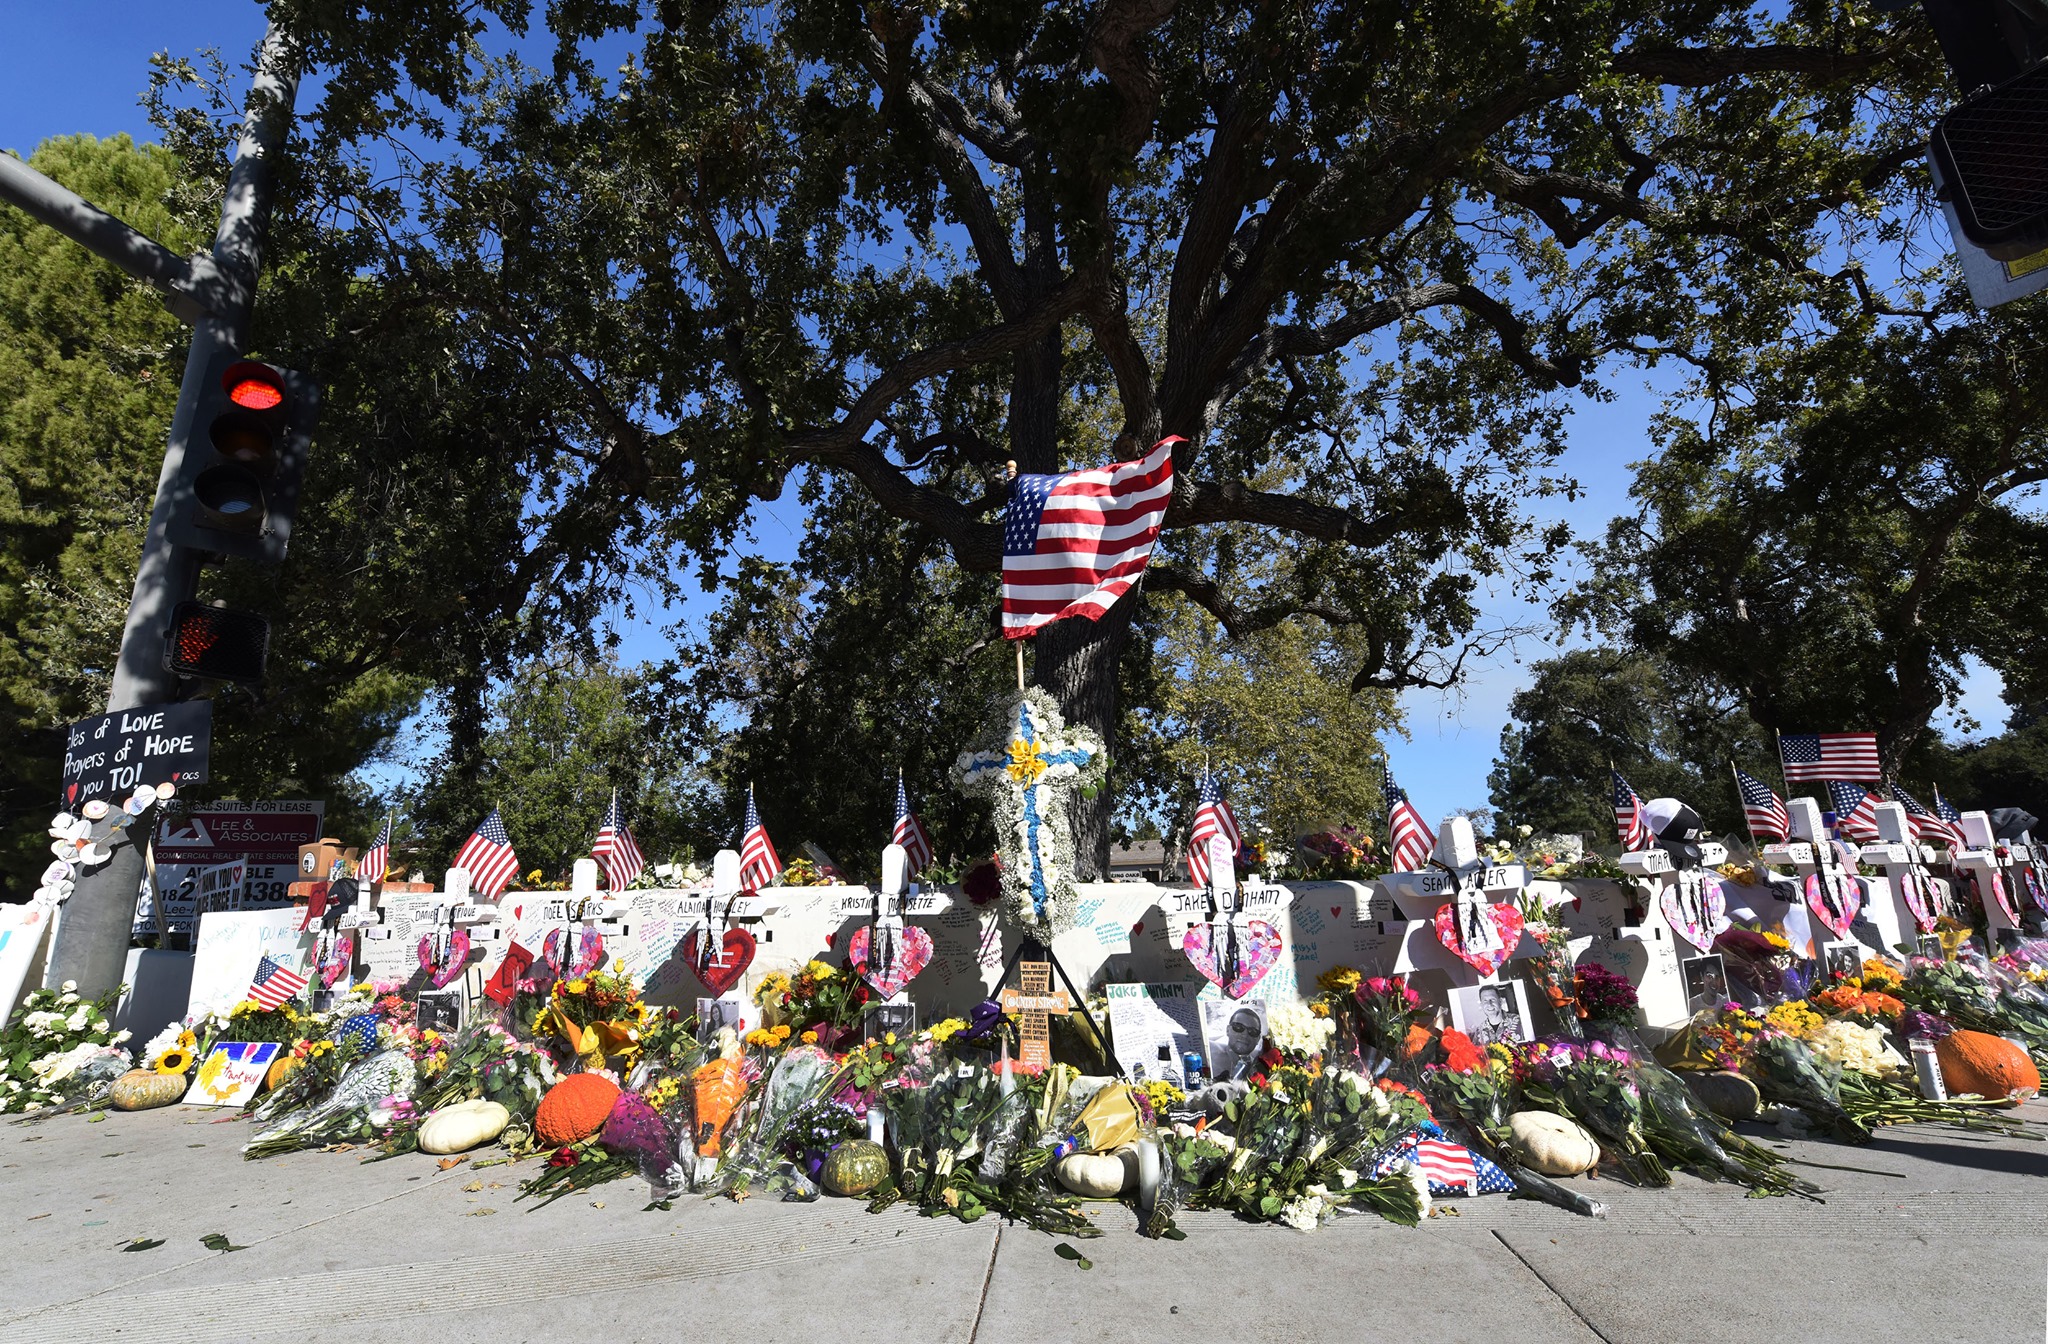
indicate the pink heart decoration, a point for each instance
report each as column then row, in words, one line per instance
column 1849, row 892
column 334, row 959
column 735, row 954
column 1258, row 950
column 2003, row 896
column 440, row 973
column 1918, row 889
column 1699, row 928
column 1507, row 922
column 2036, row 897
column 589, row 952
column 913, row 954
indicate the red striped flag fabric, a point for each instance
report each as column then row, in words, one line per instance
column 378, row 861
column 1855, row 809
column 909, row 832
column 1928, row 825
column 1213, row 818
column 759, row 864
column 1825, row 756
column 616, row 851
column 274, row 986
column 1762, row 808
column 1074, row 543
column 1628, row 814
column 488, row 858
column 1409, row 839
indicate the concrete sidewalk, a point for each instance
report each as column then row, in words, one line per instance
column 1928, row 1235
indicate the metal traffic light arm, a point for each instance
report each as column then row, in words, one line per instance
column 193, row 287
column 91, row 939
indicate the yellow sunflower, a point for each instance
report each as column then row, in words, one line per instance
column 175, row 1060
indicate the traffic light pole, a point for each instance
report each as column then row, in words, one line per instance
column 93, row 929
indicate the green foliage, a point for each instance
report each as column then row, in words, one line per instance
column 1847, row 527
column 1669, row 733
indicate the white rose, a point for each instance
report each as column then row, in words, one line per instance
column 101, row 1025
column 1346, row 1178
column 1421, row 1184
column 70, row 986
column 68, row 999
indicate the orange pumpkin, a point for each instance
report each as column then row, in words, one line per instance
column 1990, row 1066
column 574, row 1109
column 281, row 1068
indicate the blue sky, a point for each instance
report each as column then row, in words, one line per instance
column 81, row 65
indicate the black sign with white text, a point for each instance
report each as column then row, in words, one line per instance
column 109, row 755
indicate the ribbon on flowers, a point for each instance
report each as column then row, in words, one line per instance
column 594, row 1042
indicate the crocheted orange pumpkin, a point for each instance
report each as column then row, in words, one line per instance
column 1990, row 1066
column 574, row 1109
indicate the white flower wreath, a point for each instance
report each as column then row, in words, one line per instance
column 1030, row 768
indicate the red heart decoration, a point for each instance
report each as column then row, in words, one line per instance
column 832, row 939
column 1507, row 922
column 723, row 972
column 1137, row 928
column 1336, row 911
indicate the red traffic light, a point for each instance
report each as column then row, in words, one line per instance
column 217, row 644
column 253, row 386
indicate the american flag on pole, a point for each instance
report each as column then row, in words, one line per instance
column 274, row 986
column 758, row 862
column 1074, row 543
column 1628, row 814
column 378, row 860
column 909, row 831
column 616, row 850
column 1213, row 817
column 1927, row 825
column 1825, row 756
column 1408, row 836
column 1947, row 812
column 1855, row 809
column 1762, row 808
column 488, row 858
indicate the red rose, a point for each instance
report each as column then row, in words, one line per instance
column 563, row 1157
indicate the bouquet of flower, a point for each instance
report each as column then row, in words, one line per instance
column 1389, row 1017
column 597, row 1017
column 1761, row 967
column 1301, row 1147
column 59, row 1049
column 1340, row 853
column 1603, row 995
column 1551, row 969
column 820, row 1003
column 372, row 1100
column 1786, row 1071
column 755, row 1155
column 1595, row 1084
column 483, row 1063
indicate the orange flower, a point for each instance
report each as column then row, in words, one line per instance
column 1417, row 1041
column 1460, row 1054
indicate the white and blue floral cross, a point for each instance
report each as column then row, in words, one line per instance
column 1031, row 769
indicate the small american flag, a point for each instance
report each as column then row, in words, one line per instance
column 1762, row 808
column 1074, row 543
column 1947, row 812
column 909, row 831
column 488, row 858
column 1408, row 835
column 1855, row 809
column 1452, row 1169
column 1929, row 826
column 1825, row 756
column 614, row 848
column 758, row 862
column 1628, row 813
column 274, row 986
column 1213, row 818
column 378, row 860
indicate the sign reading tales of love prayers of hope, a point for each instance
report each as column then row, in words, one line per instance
column 109, row 755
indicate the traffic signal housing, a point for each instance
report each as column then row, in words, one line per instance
column 217, row 644
column 244, row 461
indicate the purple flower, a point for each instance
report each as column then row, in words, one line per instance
column 635, row 1129
column 1926, row 1026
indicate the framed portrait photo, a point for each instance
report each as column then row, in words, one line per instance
column 1490, row 1013
column 1706, row 981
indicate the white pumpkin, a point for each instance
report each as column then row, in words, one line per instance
column 1551, row 1145
column 1099, row 1175
column 461, row 1127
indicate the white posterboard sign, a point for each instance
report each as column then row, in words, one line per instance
column 229, row 946
column 1152, row 1026
column 22, row 930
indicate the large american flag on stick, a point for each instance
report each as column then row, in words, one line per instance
column 1074, row 543
column 1213, row 817
column 274, row 986
column 1929, row 826
column 1762, row 808
column 759, row 864
column 1408, row 835
column 616, row 850
column 488, row 858
column 1825, row 756
column 1855, row 809
column 909, row 832
column 378, row 861
column 1628, row 813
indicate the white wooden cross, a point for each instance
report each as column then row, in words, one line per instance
column 1981, row 860
column 1903, row 861
column 1471, row 884
column 1659, row 978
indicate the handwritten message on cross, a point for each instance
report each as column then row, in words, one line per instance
column 1031, row 771
column 1034, row 1001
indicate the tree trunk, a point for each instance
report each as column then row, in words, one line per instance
column 1076, row 660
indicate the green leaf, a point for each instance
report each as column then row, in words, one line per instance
column 218, row 1241
column 143, row 1244
column 1066, row 1252
column 1271, row 1205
